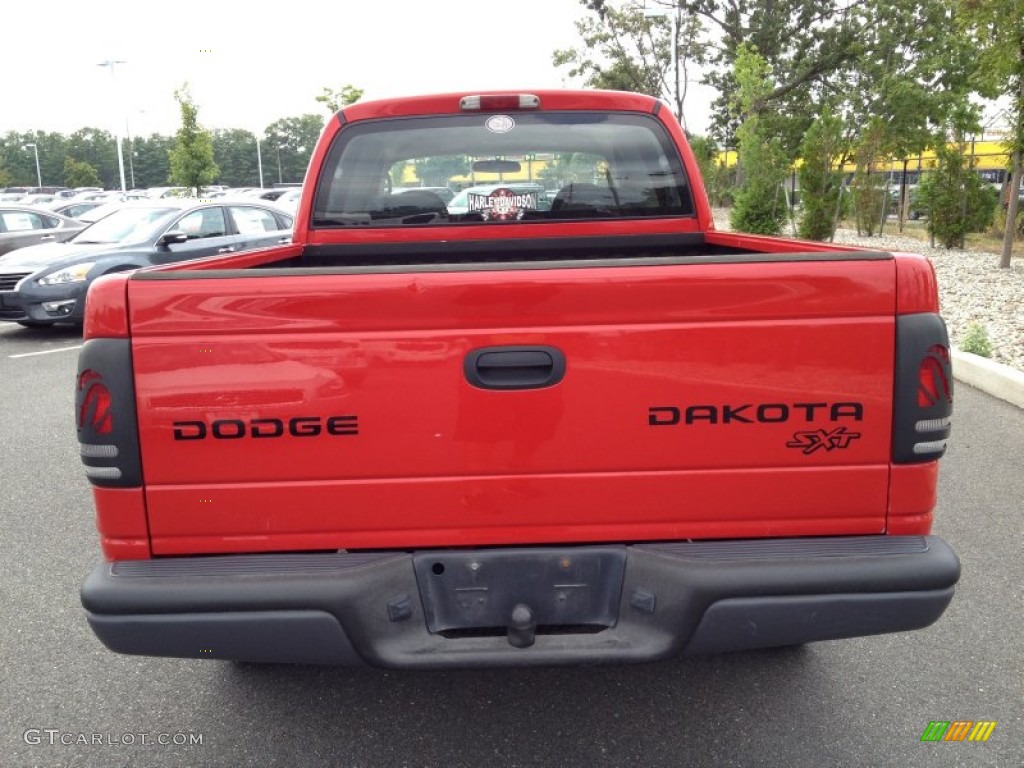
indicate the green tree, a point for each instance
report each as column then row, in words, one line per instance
column 5, row 176
column 870, row 194
column 803, row 42
column 821, row 181
column 191, row 158
column 958, row 201
column 622, row 49
column 151, row 160
column 995, row 31
column 760, row 206
column 436, row 171
column 234, row 151
column 570, row 168
column 714, row 174
column 80, row 174
column 336, row 100
column 288, row 144
column 98, row 148
column 898, row 89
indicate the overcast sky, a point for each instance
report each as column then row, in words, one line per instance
column 249, row 64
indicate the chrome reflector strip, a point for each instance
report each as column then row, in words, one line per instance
column 98, row 451
column 103, row 473
column 933, row 425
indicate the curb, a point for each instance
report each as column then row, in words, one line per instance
column 991, row 377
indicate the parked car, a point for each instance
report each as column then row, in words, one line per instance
column 46, row 284
column 75, row 209
column 38, row 199
column 159, row 193
column 104, row 209
column 270, row 194
column 21, row 226
column 96, row 194
column 289, row 201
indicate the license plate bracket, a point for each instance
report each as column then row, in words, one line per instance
column 480, row 589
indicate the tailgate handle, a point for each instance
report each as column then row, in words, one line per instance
column 515, row 367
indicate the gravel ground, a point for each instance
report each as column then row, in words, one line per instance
column 972, row 288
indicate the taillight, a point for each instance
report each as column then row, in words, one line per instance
column 105, row 414
column 499, row 102
column 932, row 379
column 923, row 397
column 94, row 403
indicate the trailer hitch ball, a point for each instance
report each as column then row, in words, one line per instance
column 522, row 632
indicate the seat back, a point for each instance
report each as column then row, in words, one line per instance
column 580, row 196
column 417, row 201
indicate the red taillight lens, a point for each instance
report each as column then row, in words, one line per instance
column 932, row 382
column 94, row 409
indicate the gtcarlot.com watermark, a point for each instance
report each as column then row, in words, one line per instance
column 54, row 736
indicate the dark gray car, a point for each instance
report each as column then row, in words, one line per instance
column 21, row 226
column 45, row 284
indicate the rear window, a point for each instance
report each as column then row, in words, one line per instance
column 473, row 169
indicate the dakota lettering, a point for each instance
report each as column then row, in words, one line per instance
column 663, row 416
column 708, row 413
column 747, row 413
column 810, row 408
column 772, row 413
column 853, row 411
column 731, row 413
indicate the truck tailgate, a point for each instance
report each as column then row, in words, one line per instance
column 348, row 410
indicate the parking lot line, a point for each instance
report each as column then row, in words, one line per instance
column 46, row 352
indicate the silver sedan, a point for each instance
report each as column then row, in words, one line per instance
column 21, row 226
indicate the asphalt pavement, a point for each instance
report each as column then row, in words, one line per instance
column 67, row 701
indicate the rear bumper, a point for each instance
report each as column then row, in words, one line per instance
column 664, row 600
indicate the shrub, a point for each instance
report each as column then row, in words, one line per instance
column 976, row 341
column 820, row 182
column 715, row 175
column 957, row 199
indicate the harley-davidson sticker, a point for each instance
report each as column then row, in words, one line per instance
column 503, row 204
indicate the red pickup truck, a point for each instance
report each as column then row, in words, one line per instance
column 565, row 421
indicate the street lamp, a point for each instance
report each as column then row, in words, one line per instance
column 671, row 13
column 279, row 179
column 39, row 176
column 259, row 158
column 131, row 147
column 120, row 151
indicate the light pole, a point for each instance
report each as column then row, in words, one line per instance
column 35, row 149
column 120, row 151
column 131, row 147
column 279, row 179
column 259, row 159
column 671, row 13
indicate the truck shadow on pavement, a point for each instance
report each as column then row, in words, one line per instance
column 538, row 715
